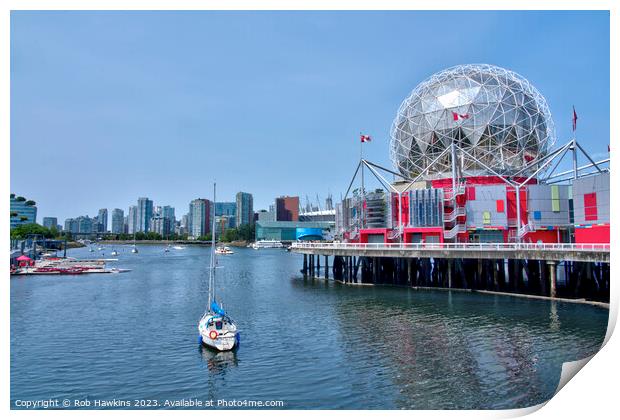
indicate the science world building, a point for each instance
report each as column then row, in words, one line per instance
column 475, row 159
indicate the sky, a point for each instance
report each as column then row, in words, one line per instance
column 107, row 107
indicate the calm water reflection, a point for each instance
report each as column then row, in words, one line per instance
column 311, row 344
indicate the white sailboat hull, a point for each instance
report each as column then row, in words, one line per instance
column 223, row 339
column 221, row 343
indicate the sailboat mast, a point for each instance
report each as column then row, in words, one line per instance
column 212, row 277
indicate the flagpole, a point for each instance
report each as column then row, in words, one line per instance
column 574, row 119
column 363, row 191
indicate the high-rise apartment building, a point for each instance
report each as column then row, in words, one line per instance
column 287, row 209
column 22, row 211
column 245, row 209
column 50, row 222
column 199, row 217
column 118, row 217
column 132, row 219
column 102, row 219
column 144, row 214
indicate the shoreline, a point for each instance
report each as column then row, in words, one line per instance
column 237, row 244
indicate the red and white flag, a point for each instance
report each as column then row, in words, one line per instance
column 364, row 138
column 456, row 116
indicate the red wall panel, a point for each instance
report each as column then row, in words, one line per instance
column 592, row 235
column 545, row 236
column 512, row 205
column 589, row 206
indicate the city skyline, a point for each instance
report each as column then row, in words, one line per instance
column 158, row 120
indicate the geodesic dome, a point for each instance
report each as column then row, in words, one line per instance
column 495, row 115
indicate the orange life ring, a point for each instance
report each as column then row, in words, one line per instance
column 212, row 335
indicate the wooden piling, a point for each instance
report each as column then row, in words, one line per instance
column 305, row 266
column 326, row 267
column 552, row 278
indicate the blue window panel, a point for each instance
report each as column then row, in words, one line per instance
column 537, row 215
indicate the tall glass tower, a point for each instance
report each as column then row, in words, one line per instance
column 245, row 209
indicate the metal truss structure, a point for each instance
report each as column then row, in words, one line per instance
column 495, row 116
column 543, row 169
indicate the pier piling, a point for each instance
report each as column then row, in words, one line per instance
column 305, row 266
column 552, row 277
column 584, row 272
column 326, row 267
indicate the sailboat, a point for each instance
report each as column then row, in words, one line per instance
column 167, row 248
column 217, row 330
column 134, row 250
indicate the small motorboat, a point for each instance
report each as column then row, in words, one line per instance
column 114, row 253
column 178, row 247
column 267, row 244
column 223, row 250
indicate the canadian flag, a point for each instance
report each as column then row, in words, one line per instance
column 457, row 117
column 364, row 138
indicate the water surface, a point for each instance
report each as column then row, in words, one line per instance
column 309, row 343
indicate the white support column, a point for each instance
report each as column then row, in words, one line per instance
column 575, row 169
column 518, row 198
column 453, row 151
column 400, row 216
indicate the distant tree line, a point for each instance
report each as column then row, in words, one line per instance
column 142, row 236
column 242, row 233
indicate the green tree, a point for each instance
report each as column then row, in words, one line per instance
column 246, row 232
column 206, row 237
column 20, row 232
column 230, row 235
column 153, row 236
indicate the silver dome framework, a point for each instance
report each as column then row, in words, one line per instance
column 499, row 121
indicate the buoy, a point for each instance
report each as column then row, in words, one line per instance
column 212, row 335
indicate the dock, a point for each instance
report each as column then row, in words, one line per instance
column 66, row 266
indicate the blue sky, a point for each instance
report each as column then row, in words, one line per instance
column 110, row 106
